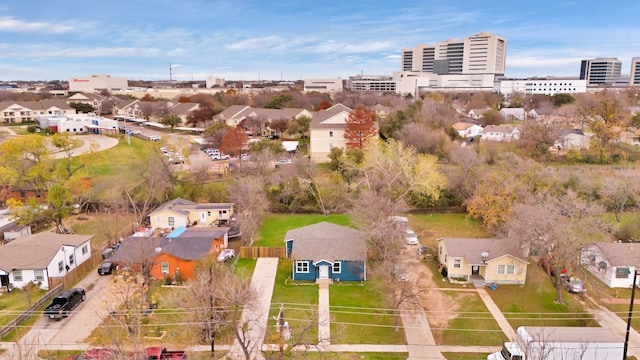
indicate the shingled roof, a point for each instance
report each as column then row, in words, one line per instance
column 139, row 249
column 472, row 249
column 36, row 251
column 620, row 254
column 327, row 241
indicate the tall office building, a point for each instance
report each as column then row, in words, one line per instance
column 635, row 71
column 483, row 53
column 600, row 71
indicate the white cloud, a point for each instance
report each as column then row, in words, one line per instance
column 13, row 25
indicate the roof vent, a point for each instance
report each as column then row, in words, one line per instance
column 485, row 256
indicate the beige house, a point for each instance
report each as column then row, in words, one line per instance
column 501, row 133
column 485, row 260
column 326, row 131
column 234, row 114
column 13, row 112
column 93, row 99
column 180, row 212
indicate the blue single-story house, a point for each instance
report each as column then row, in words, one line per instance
column 326, row 251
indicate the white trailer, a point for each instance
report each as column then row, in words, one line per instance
column 561, row 343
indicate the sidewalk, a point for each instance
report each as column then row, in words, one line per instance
column 264, row 277
column 497, row 314
column 420, row 341
column 324, row 316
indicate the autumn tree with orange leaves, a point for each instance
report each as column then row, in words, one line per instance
column 234, row 141
column 360, row 127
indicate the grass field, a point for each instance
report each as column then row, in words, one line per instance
column 473, row 325
column 359, row 316
column 275, row 227
column 534, row 304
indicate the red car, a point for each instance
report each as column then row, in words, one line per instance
column 97, row 354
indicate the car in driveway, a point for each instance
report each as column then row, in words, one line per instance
column 106, row 268
column 574, row 285
column 226, row 255
column 411, row 238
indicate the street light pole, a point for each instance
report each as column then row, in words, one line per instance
column 633, row 293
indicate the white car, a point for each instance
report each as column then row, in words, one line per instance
column 226, row 255
column 154, row 138
column 411, row 238
column 220, row 156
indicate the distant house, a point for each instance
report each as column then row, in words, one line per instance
column 613, row 263
column 382, row 112
column 513, row 113
column 183, row 110
column 477, row 113
column 93, row 99
column 631, row 136
column 41, row 257
column 572, row 139
column 234, row 114
column 491, row 260
column 180, row 212
column 326, row 251
column 500, row 133
column 172, row 256
column 467, row 130
column 326, row 131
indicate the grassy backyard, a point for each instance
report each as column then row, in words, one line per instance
column 275, row 227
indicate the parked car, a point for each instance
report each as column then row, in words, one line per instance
column 64, row 303
column 154, row 138
column 574, row 285
column 220, row 156
column 411, row 238
column 177, row 159
column 226, row 255
column 400, row 273
column 106, row 268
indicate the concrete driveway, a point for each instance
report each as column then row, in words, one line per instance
column 67, row 333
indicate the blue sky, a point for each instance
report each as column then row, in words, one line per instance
column 289, row 39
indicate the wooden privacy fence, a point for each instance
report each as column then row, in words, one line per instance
column 13, row 324
column 254, row 252
column 78, row 272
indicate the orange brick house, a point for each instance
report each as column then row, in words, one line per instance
column 177, row 252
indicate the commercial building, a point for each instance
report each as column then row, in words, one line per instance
column 600, row 71
column 635, row 71
column 475, row 63
column 543, row 86
column 378, row 83
column 323, row 85
column 97, row 82
column 482, row 53
column 78, row 124
column 214, row 82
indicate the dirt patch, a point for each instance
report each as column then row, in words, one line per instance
column 440, row 307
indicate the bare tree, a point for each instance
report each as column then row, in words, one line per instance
column 251, row 204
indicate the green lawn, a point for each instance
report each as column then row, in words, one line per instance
column 275, row 227
column 430, row 227
column 359, row 316
column 246, row 267
column 534, row 304
column 473, row 325
column 300, row 300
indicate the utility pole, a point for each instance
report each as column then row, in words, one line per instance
column 633, row 293
column 170, row 76
column 281, row 330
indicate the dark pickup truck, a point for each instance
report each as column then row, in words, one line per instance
column 64, row 302
column 161, row 353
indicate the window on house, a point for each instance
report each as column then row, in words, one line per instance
column 171, row 221
column 337, row 267
column 440, row 250
column 302, row 266
column 61, row 266
column 622, row 273
column 38, row 275
column 330, row 133
column 506, row 269
column 85, row 249
column 165, row 268
column 17, row 275
column 71, row 259
column 208, row 213
column 457, row 263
